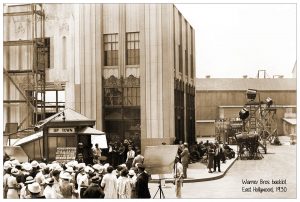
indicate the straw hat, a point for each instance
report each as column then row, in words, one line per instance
column 34, row 188
column 88, row 169
column 49, row 181
column 6, row 166
column 43, row 166
column 69, row 170
column 66, row 176
column 14, row 171
column 29, row 180
column 15, row 162
column 34, row 164
column 131, row 172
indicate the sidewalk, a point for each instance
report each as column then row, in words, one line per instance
column 198, row 172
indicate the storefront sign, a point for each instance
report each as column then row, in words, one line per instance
column 61, row 130
column 65, row 154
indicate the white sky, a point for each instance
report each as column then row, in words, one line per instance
column 233, row 40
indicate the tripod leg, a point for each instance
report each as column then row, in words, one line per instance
column 156, row 193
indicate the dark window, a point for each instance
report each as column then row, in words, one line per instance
column 113, row 96
column 111, row 49
column 131, row 96
column 132, row 48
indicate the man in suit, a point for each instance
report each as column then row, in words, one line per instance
column 185, row 158
column 141, row 187
column 217, row 157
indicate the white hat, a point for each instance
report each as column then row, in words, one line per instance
column 69, row 170
column 88, row 169
column 14, row 171
column 34, row 188
column 123, row 165
column 15, row 162
column 131, row 172
column 99, row 168
column 106, row 165
column 66, row 176
column 81, row 165
column 29, row 180
column 43, row 165
column 6, row 166
column 27, row 166
column 34, row 164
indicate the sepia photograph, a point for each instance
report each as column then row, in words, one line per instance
column 142, row 100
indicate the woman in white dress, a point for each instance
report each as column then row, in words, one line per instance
column 13, row 186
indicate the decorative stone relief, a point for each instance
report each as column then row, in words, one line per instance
column 135, row 71
column 111, row 82
column 110, row 72
column 131, row 81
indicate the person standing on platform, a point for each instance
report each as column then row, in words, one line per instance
column 178, row 175
column 141, row 187
column 185, row 158
column 138, row 159
column 97, row 154
column 130, row 157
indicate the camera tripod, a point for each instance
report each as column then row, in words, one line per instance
column 161, row 193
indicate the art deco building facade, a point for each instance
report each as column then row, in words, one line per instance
column 130, row 67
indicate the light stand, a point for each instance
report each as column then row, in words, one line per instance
column 161, row 193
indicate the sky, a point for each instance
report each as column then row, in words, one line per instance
column 233, row 40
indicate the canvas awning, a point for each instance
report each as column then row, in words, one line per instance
column 29, row 138
column 97, row 136
column 91, row 131
column 16, row 152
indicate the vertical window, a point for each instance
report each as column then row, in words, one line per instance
column 132, row 48
column 186, row 49
column 111, row 49
column 64, row 53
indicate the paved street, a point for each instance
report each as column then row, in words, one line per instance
column 279, row 163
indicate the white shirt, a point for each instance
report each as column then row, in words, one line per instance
column 178, row 170
column 109, row 182
column 49, row 193
column 124, row 187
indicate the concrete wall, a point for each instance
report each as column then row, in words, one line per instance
column 76, row 40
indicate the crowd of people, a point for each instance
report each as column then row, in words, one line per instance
column 119, row 175
column 86, row 177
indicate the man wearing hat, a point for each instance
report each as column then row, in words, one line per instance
column 185, row 158
column 67, row 189
column 12, row 185
column 141, row 188
column 94, row 190
column 35, row 190
column 49, row 192
column 24, row 193
column 35, row 168
column 7, row 173
column 132, row 178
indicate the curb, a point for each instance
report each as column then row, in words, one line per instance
column 200, row 179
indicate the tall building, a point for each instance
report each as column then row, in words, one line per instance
column 130, row 67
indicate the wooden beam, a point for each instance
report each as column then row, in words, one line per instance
column 9, row 77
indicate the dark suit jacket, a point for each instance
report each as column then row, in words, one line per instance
column 142, row 190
